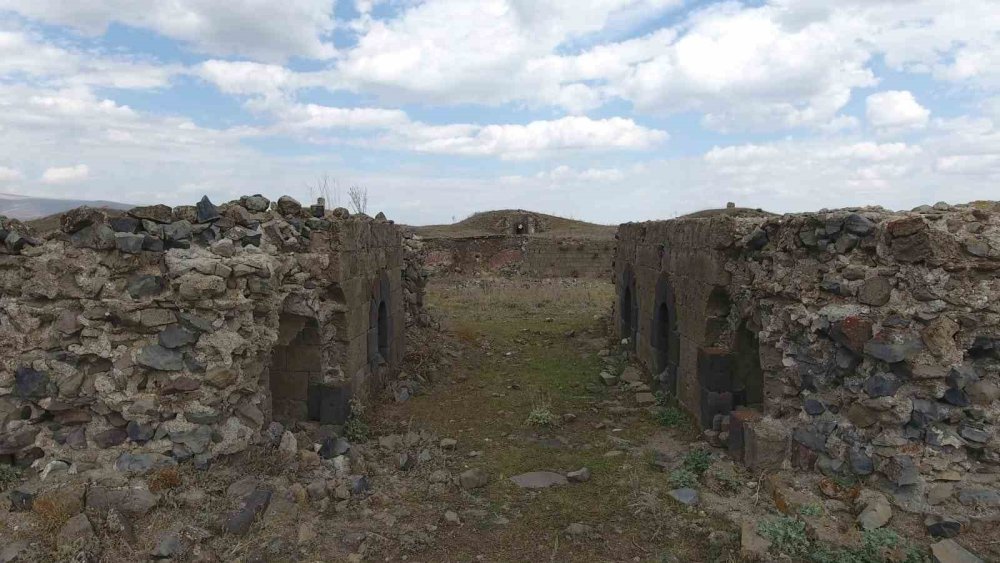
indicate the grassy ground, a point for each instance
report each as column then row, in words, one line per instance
column 534, row 347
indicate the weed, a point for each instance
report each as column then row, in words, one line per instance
column 541, row 415
column 697, row 461
column 728, row 480
column 662, row 399
column 356, row 429
column 786, row 534
column 812, row 509
column 166, row 478
column 8, row 476
column 52, row 513
column 683, row 478
column 671, row 417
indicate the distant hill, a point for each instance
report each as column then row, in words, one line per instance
column 27, row 207
column 490, row 223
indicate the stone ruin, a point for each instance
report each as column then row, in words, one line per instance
column 856, row 342
column 186, row 331
column 521, row 223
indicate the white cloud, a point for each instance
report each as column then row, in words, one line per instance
column 895, row 110
column 25, row 54
column 9, row 174
column 66, row 174
column 545, row 138
column 261, row 29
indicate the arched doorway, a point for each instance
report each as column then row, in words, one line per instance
column 628, row 308
column 666, row 337
column 296, row 361
column 748, row 377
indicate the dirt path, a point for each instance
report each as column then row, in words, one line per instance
column 522, row 395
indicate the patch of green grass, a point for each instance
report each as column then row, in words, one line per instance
column 356, row 429
column 671, row 417
column 787, row 535
column 541, row 415
column 9, row 475
column 697, row 461
column 681, row 478
column 812, row 509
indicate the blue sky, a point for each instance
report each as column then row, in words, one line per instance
column 605, row 110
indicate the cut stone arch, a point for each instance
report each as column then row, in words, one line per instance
column 665, row 335
column 296, row 366
column 628, row 306
column 717, row 314
column 748, row 377
column 380, row 345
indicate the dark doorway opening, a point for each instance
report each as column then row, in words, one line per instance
column 296, row 360
column 665, row 337
column 748, row 377
column 383, row 331
column 628, row 308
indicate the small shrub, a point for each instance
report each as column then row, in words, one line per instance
column 681, row 478
column 813, row 509
column 697, row 461
column 671, row 417
column 728, row 480
column 356, row 429
column 541, row 415
column 662, row 399
column 786, row 534
column 166, row 478
column 52, row 513
column 9, row 475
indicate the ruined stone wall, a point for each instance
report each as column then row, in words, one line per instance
column 853, row 341
column 532, row 256
column 155, row 332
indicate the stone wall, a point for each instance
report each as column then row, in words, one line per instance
column 857, row 341
column 531, row 256
column 185, row 331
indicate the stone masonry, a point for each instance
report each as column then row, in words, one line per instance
column 185, row 331
column 859, row 342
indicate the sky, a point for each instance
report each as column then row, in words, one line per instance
column 601, row 110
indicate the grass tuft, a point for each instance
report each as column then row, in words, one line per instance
column 9, row 475
column 541, row 415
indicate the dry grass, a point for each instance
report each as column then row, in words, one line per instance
column 164, row 479
column 52, row 512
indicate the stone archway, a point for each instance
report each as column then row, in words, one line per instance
column 665, row 336
column 748, row 377
column 628, row 308
column 296, row 362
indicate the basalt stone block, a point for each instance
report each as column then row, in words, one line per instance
column 157, row 213
column 882, row 385
column 30, row 383
column 861, row 463
column 129, row 243
column 252, row 507
column 767, row 445
column 207, row 211
column 739, row 425
column 152, row 243
column 875, row 291
column 110, row 438
column 80, row 218
column 140, row 432
column 176, row 336
column 902, row 471
column 813, row 407
column 288, row 206
column 196, row 323
column 810, row 437
column 912, row 249
column 159, row 358
column 255, row 203
column 97, row 237
column 177, row 232
column 328, row 404
column 956, row 397
column 893, row 346
column 143, row 286
column 852, row 333
column 124, row 224
column 858, row 224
